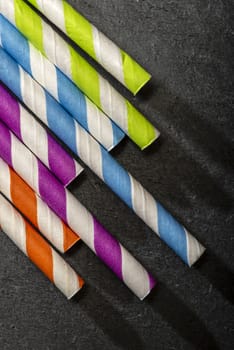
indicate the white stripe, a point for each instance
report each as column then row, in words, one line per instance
column 12, row 224
column 134, row 275
column 24, row 163
column 113, row 104
column 99, row 125
column 7, row 9
column 80, row 220
column 34, row 136
column 108, row 54
column 5, row 181
column 33, row 95
column 56, row 49
column 88, row 150
column 65, row 277
column 79, row 168
column 54, row 11
column 43, row 71
column 50, row 225
column 194, row 248
column 144, row 204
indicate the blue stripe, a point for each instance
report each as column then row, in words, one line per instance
column 116, row 177
column 72, row 99
column 61, row 123
column 172, row 233
column 9, row 73
column 75, row 103
column 69, row 95
column 15, row 44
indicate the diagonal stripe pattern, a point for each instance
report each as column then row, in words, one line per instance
column 59, row 86
column 71, row 211
column 35, row 210
column 28, row 240
column 116, row 61
column 74, row 66
column 102, row 163
column 35, row 137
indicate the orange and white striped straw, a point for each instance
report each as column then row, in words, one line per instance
column 32, row 244
column 35, row 209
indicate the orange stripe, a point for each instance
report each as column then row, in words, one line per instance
column 39, row 251
column 23, row 198
column 81, row 281
column 69, row 238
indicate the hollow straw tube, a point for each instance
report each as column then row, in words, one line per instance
column 116, row 61
column 35, row 137
column 59, row 86
column 35, row 210
column 99, row 90
column 71, row 211
column 31, row 243
column 102, row 164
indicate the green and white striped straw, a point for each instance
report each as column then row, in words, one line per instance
column 99, row 90
column 95, row 43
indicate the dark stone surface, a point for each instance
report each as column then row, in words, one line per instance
column 187, row 46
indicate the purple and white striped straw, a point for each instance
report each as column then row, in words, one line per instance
column 71, row 211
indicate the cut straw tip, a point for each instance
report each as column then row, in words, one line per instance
column 157, row 135
column 149, row 291
column 81, row 284
column 199, row 254
column 144, row 82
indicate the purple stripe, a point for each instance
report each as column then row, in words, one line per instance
column 60, row 162
column 108, row 249
column 10, row 111
column 152, row 281
column 5, row 144
column 52, row 191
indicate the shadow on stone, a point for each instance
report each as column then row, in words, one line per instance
column 218, row 274
column 96, row 307
column 181, row 318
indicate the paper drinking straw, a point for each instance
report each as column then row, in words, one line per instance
column 99, row 90
column 35, row 210
column 95, row 43
column 35, row 137
column 71, row 211
column 59, row 86
column 38, row 250
column 105, row 166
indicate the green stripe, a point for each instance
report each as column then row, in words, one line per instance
column 135, row 76
column 79, row 29
column 85, row 76
column 29, row 24
column 140, row 130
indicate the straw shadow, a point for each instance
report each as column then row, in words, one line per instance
column 121, row 333
column 200, row 134
column 181, row 318
column 218, row 274
column 78, row 181
column 147, row 91
column 202, row 146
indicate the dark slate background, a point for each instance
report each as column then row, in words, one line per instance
column 187, row 46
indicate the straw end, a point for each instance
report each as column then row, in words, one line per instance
column 80, row 285
column 152, row 140
column 200, row 250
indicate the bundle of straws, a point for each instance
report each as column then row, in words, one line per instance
column 64, row 94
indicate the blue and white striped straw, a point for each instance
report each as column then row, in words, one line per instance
column 100, row 161
column 103, row 129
